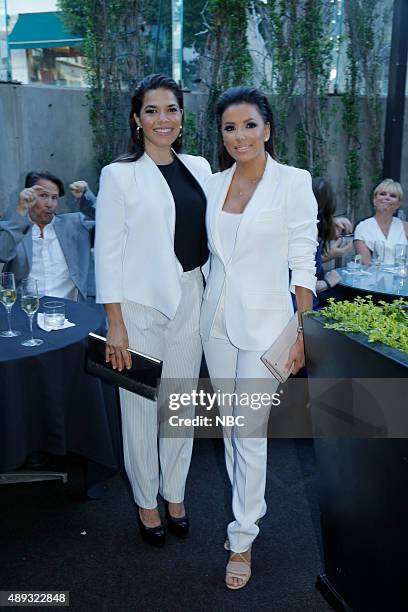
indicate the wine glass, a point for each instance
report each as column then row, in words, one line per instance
column 30, row 303
column 401, row 260
column 8, row 296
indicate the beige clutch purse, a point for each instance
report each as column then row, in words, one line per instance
column 277, row 355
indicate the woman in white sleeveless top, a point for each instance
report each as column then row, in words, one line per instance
column 383, row 226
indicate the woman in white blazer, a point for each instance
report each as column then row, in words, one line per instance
column 150, row 245
column 261, row 223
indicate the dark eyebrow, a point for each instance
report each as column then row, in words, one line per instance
column 245, row 121
column 154, row 106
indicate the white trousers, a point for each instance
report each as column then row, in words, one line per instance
column 233, row 370
column 156, row 464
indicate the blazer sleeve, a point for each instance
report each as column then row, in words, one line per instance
column 12, row 231
column 302, row 232
column 87, row 205
column 109, row 238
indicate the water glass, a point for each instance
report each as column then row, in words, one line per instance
column 400, row 260
column 378, row 253
column 8, row 296
column 353, row 267
column 54, row 315
column 30, row 303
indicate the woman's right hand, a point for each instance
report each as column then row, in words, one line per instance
column 117, row 343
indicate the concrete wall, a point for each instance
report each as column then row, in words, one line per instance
column 43, row 128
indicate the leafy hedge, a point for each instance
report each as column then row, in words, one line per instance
column 385, row 322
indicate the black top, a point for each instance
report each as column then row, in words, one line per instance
column 190, row 236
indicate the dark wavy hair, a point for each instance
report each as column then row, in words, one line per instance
column 243, row 95
column 326, row 203
column 33, row 177
column 136, row 146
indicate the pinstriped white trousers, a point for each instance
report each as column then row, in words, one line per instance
column 156, row 464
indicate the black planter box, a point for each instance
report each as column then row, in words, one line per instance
column 359, row 397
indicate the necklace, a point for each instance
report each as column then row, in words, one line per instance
column 242, row 192
column 251, row 181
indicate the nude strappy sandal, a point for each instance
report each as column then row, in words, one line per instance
column 241, row 570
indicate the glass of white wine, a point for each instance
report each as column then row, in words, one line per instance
column 30, row 303
column 8, row 296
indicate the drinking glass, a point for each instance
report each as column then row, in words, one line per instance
column 30, row 303
column 8, row 296
column 400, row 259
column 354, row 267
column 54, row 315
column 378, row 253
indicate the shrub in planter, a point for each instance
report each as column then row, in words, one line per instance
column 381, row 322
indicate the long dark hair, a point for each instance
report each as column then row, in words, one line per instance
column 136, row 146
column 326, row 203
column 243, row 95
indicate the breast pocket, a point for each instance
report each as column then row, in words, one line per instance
column 269, row 222
column 267, row 215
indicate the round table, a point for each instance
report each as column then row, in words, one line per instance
column 49, row 403
column 374, row 280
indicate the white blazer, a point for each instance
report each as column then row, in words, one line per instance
column 277, row 232
column 134, row 242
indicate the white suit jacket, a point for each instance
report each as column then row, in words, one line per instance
column 277, row 232
column 134, row 242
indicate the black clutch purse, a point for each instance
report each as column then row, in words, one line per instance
column 143, row 377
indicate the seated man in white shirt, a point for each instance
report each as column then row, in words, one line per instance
column 52, row 249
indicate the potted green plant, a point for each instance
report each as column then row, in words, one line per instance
column 381, row 322
column 357, row 358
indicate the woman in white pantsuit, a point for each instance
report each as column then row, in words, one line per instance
column 261, row 223
column 150, row 245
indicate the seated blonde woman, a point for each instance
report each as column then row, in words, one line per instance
column 382, row 226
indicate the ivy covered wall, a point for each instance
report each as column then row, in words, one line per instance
column 284, row 46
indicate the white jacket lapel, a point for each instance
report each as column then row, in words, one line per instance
column 219, row 199
column 153, row 188
column 265, row 191
column 199, row 176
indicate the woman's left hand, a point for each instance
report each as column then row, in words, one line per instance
column 296, row 356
